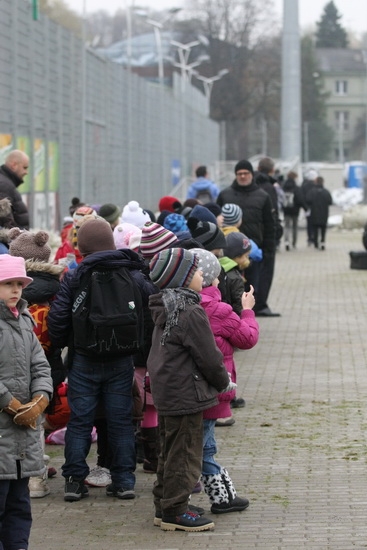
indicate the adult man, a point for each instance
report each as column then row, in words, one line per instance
column 11, row 176
column 265, row 180
column 257, row 224
column 203, row 188
column 97, row 376
column 308, row 184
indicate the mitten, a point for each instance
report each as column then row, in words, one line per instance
column 27, row 414
column 13, row 406
column 231, row 386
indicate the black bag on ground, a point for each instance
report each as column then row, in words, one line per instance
column 108, row 314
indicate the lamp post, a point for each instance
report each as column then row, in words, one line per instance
column 184, row 51
column 208, row 83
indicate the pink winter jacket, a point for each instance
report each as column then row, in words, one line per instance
column 230, row 331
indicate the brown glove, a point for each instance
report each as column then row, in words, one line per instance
column 13, row 406
column 29, row 412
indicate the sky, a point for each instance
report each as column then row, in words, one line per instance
column 354, row 12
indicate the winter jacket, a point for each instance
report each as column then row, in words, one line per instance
column 60, row 316
column 235, row 284
column 203, row 185
column 230, row 331
column 299, row 202
column 39, row 295
column 187, row 372
column 258, row 221
column 319, row 200
column 24, row 373
column 18, row 216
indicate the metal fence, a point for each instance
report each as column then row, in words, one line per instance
column 90, row 127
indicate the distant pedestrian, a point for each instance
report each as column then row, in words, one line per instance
column 309, row 183
column 319, row 200
column 203, row 188
column 293, row 201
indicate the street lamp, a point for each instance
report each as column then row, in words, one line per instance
column 208, row 82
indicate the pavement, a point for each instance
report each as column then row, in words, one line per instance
column 298, row 449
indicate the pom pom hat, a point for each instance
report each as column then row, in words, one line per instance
column 173, row 268
column 127, row 235
column 29, row 245
column 132, row 213
column 12, row 268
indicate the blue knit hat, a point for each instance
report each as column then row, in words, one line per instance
column 203, row 214
column 175, row 223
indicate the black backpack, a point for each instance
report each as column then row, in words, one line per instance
column 204, row 196
column 107, row 314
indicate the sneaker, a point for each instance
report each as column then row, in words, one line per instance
column 75, row 489
column 238, row 403
column 189, row 521
column 225, row 422
column 236, row 505
column 119, row 492
column 38, row 487
column 98, row 477
column 196, row 509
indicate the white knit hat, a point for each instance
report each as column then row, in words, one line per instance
column 132, row 213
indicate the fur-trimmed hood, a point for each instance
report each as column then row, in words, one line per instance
column 46, row 281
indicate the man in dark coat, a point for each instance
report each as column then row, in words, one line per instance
column 257, row 224
column 11, row 176
column 319, row 200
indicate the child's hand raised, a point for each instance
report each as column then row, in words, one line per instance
column 248, row 299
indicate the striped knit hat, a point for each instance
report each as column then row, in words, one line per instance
column 206, row 233
column 155, row 238
column 173, row 268
column 232, row 214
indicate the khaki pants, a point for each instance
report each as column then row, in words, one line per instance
column 179, row 462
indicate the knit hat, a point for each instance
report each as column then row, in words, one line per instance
column 208, row 234
column 95, row 236
column 162, row 216
column 29, row 245
column 185, row 211
column 243, row 165
column 237, row 244
column 232, row 214
column 175, row 223
column 208, row 264
column 110, row 212
column 169, row 203
column 13, row 268
column 81, row 212
column 311, row 175
column 203, row 214
column 127, row 235
column 155, row 238
column 214, row 208
column 173, row 268
column 132, row 213
column 75, row 204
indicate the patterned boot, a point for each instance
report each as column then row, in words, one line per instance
column 222, row 494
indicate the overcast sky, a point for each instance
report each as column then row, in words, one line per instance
column 354, row 12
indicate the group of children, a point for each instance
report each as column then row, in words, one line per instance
column 199, row 314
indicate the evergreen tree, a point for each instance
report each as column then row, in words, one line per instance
column 330, row 33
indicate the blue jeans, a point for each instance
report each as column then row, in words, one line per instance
column 210, row 466
column 15, row 514
column 89, row 384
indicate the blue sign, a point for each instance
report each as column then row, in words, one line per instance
column 356, row 175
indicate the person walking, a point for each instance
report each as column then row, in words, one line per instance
column 293, row 201
column 319, row 200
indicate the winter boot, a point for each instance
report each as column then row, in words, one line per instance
column 222, row 494
column 150, row 440
column 38, row 487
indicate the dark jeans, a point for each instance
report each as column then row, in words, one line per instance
column 89, row 383
column 290, row 227
column 15, row 514
column 179, row 462
column 319, row 230
column 310, row 229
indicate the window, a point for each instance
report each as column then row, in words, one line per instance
column 342, row 120
column 341, row 87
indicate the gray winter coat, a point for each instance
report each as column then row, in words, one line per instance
column 24, row 373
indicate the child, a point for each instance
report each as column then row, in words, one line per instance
column 235, row 260
column 230, row 332
column 25, row 390
column 186, row 373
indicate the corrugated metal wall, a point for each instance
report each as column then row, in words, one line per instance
column 133, row 129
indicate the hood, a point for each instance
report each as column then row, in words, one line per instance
column 43, row 267
column 227, row 263
column 157, row 310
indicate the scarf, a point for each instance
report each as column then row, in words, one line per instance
column 175, row 300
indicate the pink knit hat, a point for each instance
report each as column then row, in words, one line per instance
column 155, row 238
column 12, row 268
column 127, row 235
